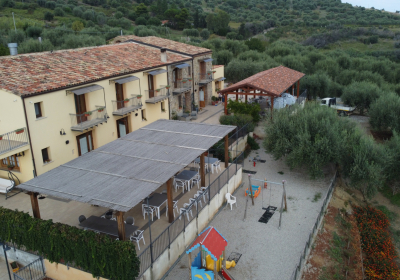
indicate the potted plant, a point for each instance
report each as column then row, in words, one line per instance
column 1, row 137
column 162, row 110
column 190, row 79
column 180, row 107
column 139, row 96
column 10, row 166
column 158, row 90
column 100, row 109
column 19, row 131
column 184, row 81
column 126, row 100
column 47, row 161
column 167, row 86
column 144, row 119
column 15, row 267
column 213, row 100
column 217, row 89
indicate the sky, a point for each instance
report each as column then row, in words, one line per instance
column 388, row 5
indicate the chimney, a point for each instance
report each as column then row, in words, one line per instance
column 13, row 48
column 163, row 55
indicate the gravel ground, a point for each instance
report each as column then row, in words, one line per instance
column 267, row 252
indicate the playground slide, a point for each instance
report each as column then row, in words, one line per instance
column 225, row 275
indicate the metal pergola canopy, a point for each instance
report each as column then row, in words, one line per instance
column 86, row 89
column 125, row 80
column 183, row 65
column 157, row 72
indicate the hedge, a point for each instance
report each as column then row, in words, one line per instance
column 95, row 253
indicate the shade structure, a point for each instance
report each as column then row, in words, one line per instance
column 208, row 59
column 120, row 174
column 183, row 65
column 220, row 79
column 125, row 80
column 83, row 90
column 157, row 72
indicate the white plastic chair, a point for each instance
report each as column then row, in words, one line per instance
column 180, row 184
column 230, row 199
column 136, row 236
column 174, row 206
column 148, row 210
column 195, row 197
column 187, row 208
column 216, row 165
column 196, row 180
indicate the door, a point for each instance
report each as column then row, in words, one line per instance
column 175, row 77
column 122, row 127
column 85, row 143
column 120, row 95
column 151, row 85
column 202, row 70
column 80, row 106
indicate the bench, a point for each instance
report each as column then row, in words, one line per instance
column 7, row 185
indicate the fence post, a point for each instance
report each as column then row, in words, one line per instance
column 169, row 238
column 209, row 195
column 30, row 271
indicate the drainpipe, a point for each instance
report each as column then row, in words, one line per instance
column 29, row 137
column 169, row 102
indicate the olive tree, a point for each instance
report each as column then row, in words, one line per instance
column 361, row 95
column 385, row 112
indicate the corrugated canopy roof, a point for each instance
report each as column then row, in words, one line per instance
column 120, row 174
column 126, row 80
column 157, row 72
column 83, row 90
column 273, row 81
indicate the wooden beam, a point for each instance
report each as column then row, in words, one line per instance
column 245, row 98
column 35, row 204
column 237, row 97
column 226, row 140
column 272, row 106
column 170, row 202
column 293, row 90
column 298, row 88
column 121, row 225
column 202, row 171
column 226, row 104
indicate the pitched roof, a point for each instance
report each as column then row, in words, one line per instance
column 164, row 43
column 272, row 81
column 211, row 241
column 27, row 74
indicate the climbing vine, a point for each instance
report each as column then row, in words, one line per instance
column 99, row 254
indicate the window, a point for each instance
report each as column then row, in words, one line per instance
column 38, row 109
column 151, row 86
column 85, row 143
column 45, row 155
column 119, row 89
column 144, row 115
column 180, row 101
column 12, row 160
column 163, row 106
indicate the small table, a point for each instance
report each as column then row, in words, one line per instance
column 156, row 200
column 208, row 161
column 187, row 176
column 106, row 226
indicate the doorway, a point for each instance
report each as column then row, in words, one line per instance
column 151, row 85
column 80, row 107
column 120, row 95
column 85, row 143
column 122, row 127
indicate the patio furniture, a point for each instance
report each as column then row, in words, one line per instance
column 186, row 176
column 230, row 199
column 137, row 236
column 207, row 160
column 186, row 209
column 108, row 215
column 81, row 218
column 105, row 226
column 193, row 200
column 174, row 206
column 196, row 180
column 179, row 184
column 203, row 193
column 156, row 201
column 193, row 115
column 148, row 210
column 216, row 165
column 7, row 185
column 185, row 117
column 130, row 221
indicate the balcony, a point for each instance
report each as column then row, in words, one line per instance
column 121, row 108
column 82, row 122
column 13, row 140
column 157, row 95
column 182, row 86
column 206, row 78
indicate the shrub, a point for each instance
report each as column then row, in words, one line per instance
column 89, row 15
column 33, row 31
column 361, row 95
column 231, row 35
column 77, row 25
column 191, row 32
column 255, row 44
column 50, row 5
column 238, row 120
column 118, row 15
column 32, row 46
column 77, row 11
column 7, row 3
column 59, row 12
column 153, row 21
column 238, row 107
column 385, row 112
column 41, row 3
column 252, row 143
column 140, row 21
column 67, row 9
column 205, row 34
column 16, row 36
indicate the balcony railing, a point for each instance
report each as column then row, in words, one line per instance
column 182, row 86
column 13, row 140
column 126, row 106
column 205, row 78
column 156, row 95
column 81, row 122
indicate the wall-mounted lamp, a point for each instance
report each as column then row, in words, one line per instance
column 21, row 154
column 62, row 131
column 107, row 116
column 41, row 197
column 136, row 114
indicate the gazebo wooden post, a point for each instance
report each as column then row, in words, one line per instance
column 226, row 103
column 293, row 90
column 170, row 202
column 245, row 97
column 35, row 204
column 226, row 140
column 272, row 105
column 202, row 171
column 121, row 225
column 237, row 96
column 298, row 88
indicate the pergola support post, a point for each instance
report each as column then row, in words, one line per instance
column 272, row 105
column 202, row 171
column 35, row 204
column 226, row 141
column 237, row 97
column 170, row 203
column 298, row 88
column 121, row 225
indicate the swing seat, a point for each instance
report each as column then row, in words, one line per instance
column 256, row 191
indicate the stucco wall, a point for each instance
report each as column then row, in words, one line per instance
column 219, row 73
column 62, row 272
column 11, row 112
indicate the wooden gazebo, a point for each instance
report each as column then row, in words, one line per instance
column 272, row 82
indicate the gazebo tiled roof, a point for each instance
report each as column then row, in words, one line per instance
column 211, row 241
column 272, row 81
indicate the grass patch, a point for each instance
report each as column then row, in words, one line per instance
column 387, row 192
column 235, row 25
column 317, row 197
column 281, row 172
column 389, row 214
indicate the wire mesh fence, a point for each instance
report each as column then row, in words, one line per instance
column 297, row 271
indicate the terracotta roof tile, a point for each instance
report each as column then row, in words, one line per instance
column 273, row 81
column 217, row 66
column 164, row 43
column 38, row 72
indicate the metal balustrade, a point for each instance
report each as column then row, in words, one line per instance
column 13, row 140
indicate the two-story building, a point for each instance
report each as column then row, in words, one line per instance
column 192, row 83
column 56, row 106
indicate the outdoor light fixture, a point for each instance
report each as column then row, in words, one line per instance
column 41, row 197
column 62, row 131
column 21, row 154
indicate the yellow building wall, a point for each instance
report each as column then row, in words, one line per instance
column 220, row 72
column 57, row 107
column 11, row 112
column 62, row 272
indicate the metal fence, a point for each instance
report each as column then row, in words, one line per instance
column 33, row 271
column 302, row 97
column 13, row 140
column 297, row 271
column 164, row 240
